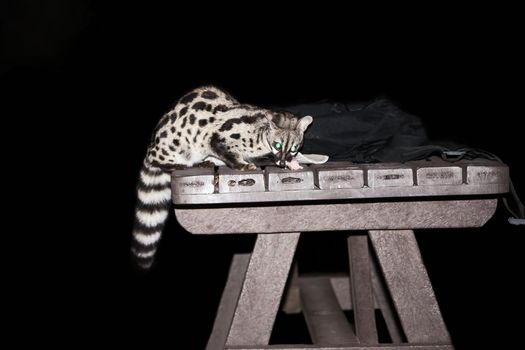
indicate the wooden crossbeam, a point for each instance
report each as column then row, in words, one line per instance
column 324, row 317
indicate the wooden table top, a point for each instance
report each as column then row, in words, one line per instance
column 340, row 181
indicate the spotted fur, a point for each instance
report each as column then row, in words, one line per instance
column 206, row 125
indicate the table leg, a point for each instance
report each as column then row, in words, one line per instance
column 409, row 286
column 262, row 289
column 384, row 303
column 361, row 289
column 229, row 299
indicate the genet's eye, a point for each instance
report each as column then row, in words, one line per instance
column 293, row 149
column 277, row 145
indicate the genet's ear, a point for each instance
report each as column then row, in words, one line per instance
column 304, row 122
column 270, row 117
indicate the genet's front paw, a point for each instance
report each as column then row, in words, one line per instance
column 293, row 165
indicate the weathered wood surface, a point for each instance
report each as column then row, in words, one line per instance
column 327, row 324
column 341, row 180
column 341, row 194
column 229, row 299
column 381, row 198
column 193, row 181
column 385, row 175
column 338, row 175
column 361, row 289
column 357, row 347
column 278, row 179
column 333, row 217
column 262, row 289
column 409, row 286
column 235, row 181
column 384, row 303
column 292, row 298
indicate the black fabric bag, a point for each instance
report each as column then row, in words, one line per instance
column 373, row 132
column 381, row 132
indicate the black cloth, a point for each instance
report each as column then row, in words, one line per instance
column 377, row 131
column 381, row 132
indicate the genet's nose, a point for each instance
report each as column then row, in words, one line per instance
column 282, row 163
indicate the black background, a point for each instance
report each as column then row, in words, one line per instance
column 85, row 82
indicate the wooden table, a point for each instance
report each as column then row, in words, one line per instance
column 385, row 202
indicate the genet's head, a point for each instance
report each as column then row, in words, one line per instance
column 285, row 135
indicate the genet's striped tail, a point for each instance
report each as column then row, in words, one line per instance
column 153, row 205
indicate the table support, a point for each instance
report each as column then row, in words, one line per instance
column 256, row 282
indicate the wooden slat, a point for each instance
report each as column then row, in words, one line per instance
column 410, row 288
column 229, row 299
column 337, row 176
column 444, row 175
column 324, row 317
column 279, row 179
column 292, row 298
column 361, row 288
column 486, row 174
column 193, row 181
column 343, row 193
column 335, row 217
column 262, row 289
column 390, row 176
column 341, row 286
column 384, row 304
column 336, row 180
column 358, row 347
column 234, row 181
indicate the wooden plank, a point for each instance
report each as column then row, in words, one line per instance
column 234, row 181
column 409, row 286
column 229, row 299
column 262, row 289
column 384, row 303
column 292, row 298
column 336, row 180
column 343, row 193
column 334, row 217
column 361, row 288
column 324, row 317
column 338, row 175
column 487, row 174
column 279, row 179
column 193, row 181
column 341, row 287
column 435, row 176
column 387, row 175
column 357, row 347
